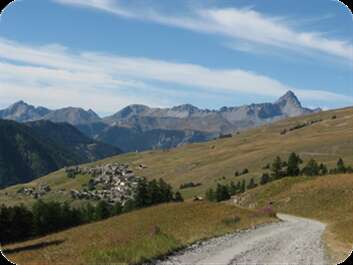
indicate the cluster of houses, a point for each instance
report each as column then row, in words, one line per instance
column 111, row 182
column 35, row 192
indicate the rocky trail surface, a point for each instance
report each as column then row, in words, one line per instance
column 293, row 241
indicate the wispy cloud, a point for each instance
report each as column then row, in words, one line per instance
column 55, row 74
column 105, row 5
column 234, row 24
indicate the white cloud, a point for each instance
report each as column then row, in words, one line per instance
column 54, row 76
column 235, row 25
column 105, row 5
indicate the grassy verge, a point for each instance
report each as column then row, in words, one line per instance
column 137, row 236
column 328, row 199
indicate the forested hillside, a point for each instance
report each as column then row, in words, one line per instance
column 30, row 151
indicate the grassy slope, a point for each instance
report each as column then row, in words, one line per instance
column 328, row 199
column 210, row 162
column 129, row 238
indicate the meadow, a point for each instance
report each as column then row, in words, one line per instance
column 136, row 237
column 216, row 161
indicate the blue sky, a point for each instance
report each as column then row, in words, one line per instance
column 106, row 54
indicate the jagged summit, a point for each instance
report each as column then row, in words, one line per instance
column 18, row 103
column 133, row 109
column 291, row 106
column 21, row 111
column 73, row 116
column 185, row 107
column 289, row 98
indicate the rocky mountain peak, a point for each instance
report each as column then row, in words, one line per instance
column 73, row 116
column 185, row 108
column 21, row 111
column 131, row 110
column 289, row 99
column 19, row 105
column 290, row 105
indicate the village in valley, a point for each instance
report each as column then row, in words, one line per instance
column 112, row 183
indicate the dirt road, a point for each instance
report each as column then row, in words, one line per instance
column 293, row 241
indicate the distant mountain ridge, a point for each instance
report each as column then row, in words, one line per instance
column 138, row 123
column 23, row 112
column 224, row 120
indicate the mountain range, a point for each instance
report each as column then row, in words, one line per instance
column 139, row 127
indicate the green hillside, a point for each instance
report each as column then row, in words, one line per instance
column 31, row 150
column 325, row 137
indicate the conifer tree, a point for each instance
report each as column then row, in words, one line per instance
column 276, row 168
column 293, row 165
column 322, row 169
column 251, row 184
column 265, row 178
column 142, row 196
column 311, row 168
column 232, row 188
column 242, row 186
column 178, row 197
column 222, row 193
column 117, row 209
column 102, row 211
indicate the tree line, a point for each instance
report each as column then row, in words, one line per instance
column 18, row 223
column 292, row 167
column 277, row 169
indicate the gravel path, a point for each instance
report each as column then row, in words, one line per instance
column 293, row 241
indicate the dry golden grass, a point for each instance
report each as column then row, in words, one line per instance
column 327, row 198
column 132, row 238
column 127, row 239
column 209, row 162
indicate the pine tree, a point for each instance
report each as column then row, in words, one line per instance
column 322, row 169
column 178, row 197
column 245, row 171
column 242, row 186
column 311, row 168
column 166, row 191
column 129, row 206
column 222, row 193
column 251, row 184
column 102, row 210
column 265, row 178
column 117, row 209
column 154, row 193
column 142, row 196
column 88, row 213
column 232, row 188
column 238, row 187
column 293, row 165
column 276, row 168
